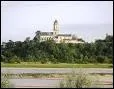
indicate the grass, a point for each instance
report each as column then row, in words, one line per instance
column 52, row 75
column 61, row 65
column 5, row 83
column 82, row 80
column 37, row 75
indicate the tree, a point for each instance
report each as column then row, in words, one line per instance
column 14, row 59
column 32, row 50
column 27, row 39
column 100, row 59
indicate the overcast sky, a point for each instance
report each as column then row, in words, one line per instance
column 88, row 20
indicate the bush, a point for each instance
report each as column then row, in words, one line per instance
column 44, row 61
column 5, row 83
column 108, row 60
column 3, row 58
column 80, row 80
column 15, row 59
column 100, row 59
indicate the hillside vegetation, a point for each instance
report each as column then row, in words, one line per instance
column 49, row 52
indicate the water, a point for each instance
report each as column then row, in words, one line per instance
column 40, row 83
column 55, row 70
column 35, row 82
column 48, row 83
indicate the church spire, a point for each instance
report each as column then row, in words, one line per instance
column 55, row 28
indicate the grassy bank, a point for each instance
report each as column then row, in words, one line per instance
column 5, row 83
column 62, row 65
column 47, row 75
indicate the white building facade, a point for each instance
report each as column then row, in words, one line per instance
column 58, row 38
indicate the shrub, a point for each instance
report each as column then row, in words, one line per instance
column 15, row 59
column 44, row 61
column 100, row 59
column 5, row 83
column 80, row 80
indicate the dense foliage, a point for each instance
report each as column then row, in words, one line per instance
column 32, row 50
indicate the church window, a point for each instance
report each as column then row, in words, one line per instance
column 45, row 38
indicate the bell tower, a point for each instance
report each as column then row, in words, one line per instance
column 55, row 28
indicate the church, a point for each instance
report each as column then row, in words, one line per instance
column 58, row 38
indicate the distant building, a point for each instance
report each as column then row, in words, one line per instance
column 58, row 38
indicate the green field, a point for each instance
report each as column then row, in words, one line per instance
column 61, row 65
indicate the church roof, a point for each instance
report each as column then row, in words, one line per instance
column 55, row 21
column 46, row 33
column 64, row 35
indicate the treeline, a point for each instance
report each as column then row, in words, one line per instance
column 34, row 51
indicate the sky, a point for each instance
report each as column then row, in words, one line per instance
column 89, row 20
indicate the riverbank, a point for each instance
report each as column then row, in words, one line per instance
column 61, row 65
column 49, row 77
column 106, row 81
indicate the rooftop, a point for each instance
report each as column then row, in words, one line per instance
column 46, row 33
column 55, row 21
column 64, row 35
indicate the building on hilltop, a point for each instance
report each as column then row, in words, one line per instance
column 58, row 38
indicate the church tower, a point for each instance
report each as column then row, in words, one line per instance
column 55, row 28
